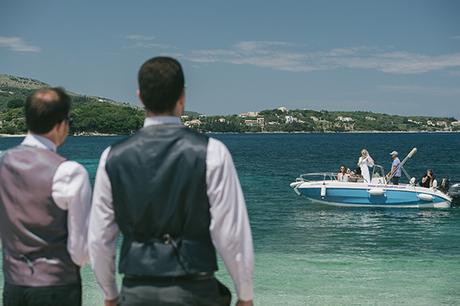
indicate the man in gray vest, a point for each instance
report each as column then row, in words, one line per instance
column 44, row 210
column 175, row 196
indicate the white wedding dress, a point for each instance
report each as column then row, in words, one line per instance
column 364, row 163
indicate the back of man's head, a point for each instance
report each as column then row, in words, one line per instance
column 45, row 108
column 161, row 84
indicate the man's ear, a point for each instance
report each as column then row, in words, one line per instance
column 61, row 126
column 182, row 99
column 55, row 132
column 181, row 103
column 138, row 94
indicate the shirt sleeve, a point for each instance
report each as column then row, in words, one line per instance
column 103, row 232
column 71, row 191
column 370, row 161
column 230, row 230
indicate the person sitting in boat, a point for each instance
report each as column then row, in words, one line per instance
column 355, row 176
column 427, row 179
column 343, row 175
column 365, row 161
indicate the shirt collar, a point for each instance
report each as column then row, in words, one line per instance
column 37, row 141
column 160, row 120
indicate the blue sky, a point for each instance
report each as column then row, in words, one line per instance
column 399, row 57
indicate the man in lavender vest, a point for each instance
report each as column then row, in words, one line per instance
column 44, row 208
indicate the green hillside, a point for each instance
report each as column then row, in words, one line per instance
column 89, row 114
column 93, row 115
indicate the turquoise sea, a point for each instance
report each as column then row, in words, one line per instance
column 308, row 254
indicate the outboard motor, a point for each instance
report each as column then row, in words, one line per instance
column 454, row 193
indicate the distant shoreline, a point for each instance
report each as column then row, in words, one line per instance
column 274, row 132
column 12, row 135
column 79, row 135
column 337, row 132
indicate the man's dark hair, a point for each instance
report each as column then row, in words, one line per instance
column 161, row 83
column 45, row 108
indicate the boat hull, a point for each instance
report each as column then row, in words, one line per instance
column 370, row 195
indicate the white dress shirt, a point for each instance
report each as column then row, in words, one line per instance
column 229, row 228
column 71, row 191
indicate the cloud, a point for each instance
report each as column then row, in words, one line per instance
column 422, row 90
column 17, row 44
column 253, row 45
column 138, row 37
column 455, row 37
column 145, row 42
column 286, row 56
column 291, row 57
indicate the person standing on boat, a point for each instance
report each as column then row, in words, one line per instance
column 45, row 202
column 175, row 196
column 365, row 161
column 395, row 172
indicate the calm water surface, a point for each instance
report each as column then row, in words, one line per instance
column 309, row 254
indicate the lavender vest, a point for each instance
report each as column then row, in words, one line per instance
column 33, row 228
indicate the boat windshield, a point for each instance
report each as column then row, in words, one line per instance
column 320, row 176
column 378, row 171
column 378, row 175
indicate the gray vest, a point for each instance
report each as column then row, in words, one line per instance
column 33, row 228
column 158, row 179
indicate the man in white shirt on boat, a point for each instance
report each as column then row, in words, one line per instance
column 395, row 173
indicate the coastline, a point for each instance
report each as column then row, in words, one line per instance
column 73, row 135
column 273, row 132
column 344, row 132
column 12, row 135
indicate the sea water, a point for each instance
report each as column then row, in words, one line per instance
column 309, row 254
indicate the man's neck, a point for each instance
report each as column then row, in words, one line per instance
column 50, row 138
column 45, row 140
column 165, row 114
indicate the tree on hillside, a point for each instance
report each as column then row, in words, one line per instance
column 15, row 103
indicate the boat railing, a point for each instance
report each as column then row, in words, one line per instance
column 325, row 176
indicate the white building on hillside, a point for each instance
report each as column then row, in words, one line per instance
column 344, row 119
column 192, row 123
column 414, row 121
column 261, row 120
column 441, row 123
column 283, row 109
column 248, row 114
column 290, row 119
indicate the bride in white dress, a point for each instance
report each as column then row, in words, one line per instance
column 365, row 161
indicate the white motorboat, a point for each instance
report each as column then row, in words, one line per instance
column 326, row 189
